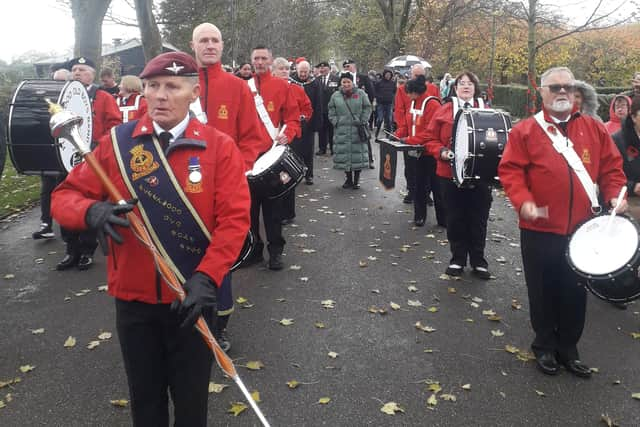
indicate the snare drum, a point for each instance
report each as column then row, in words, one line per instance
column 276, row 172
column 479, row 138
column 32, row 149
column 608, row 257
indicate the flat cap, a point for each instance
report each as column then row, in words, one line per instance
column 322, row 64
column 348, row 61
column 80, row 60
column 170, row 64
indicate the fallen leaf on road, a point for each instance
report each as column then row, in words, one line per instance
column 468, row 320
column 241, row 300
column 236, row 408
column 105, row 336
column 511, row 349
column 363, row 263
column 93, row 344
column 488, row 313
column 295, row 267
column 9, row 382
column 635, row 335
column 636, row 396
column 497, row 333
column 391, row 408
column 293, row 384
column 452, row 290
column 516, row 305
column 103, row 288
column 37, row 331
column 466, row 387
column 121, row 403
column 394, row 305
column 412, row 289
column 608, row 421
column 255, row 395
column 9, row 276
column 423, row 328
column 324, row 400
column 319, row 325
column 434, row 387
column 328, row 303
column 414, row 303
column 70, row 342
column 286, row 322
column 448, row 397
column 254, row 365
column 216, row 388
column 432, row 400
column 540, row 393
column 332, row 354
column 433, row 309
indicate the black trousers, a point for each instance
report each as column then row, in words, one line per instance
column 467, row 216
column 79, row 242
column 410, row 172
column 557, row 302
column 161, row 359
column 303, row 147
column 426, row 182
column 325, row 135
column 272, row 216
column 47, row 185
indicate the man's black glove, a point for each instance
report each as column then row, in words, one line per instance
column 102, row 216
column 201, row 294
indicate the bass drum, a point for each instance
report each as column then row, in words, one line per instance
column 479, row 138
column 32, row 149
column 3, row 146
column 607, row 256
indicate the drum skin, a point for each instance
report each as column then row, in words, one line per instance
column 31, row 147
column 487, row 134
column 285, row 170
column 620, row 285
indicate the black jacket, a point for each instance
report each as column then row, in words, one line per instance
column 313, row 89
column 629, row 145
column 364, row 82
column 332, row 85
column 385, row 91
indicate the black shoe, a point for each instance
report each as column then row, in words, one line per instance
column 620, row 305
column 321, row 153
column 308, row 181
column 67, row 262
column 223, row 340
column 356, row 186
column 577, row 368
column 287, row 221
column 408, row 199
column 275, row 262
column 254, row 258
column 372, row 165
column 548, row 364
column 454, row 270
column 45, row 232
column 481, row 273
column 419, row 222
column 85, row 262
column 347, row 184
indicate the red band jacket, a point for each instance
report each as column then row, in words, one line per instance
column 223, row 204
column 405, row 124
column 279, row 103
column 127, row 106
column 532, row 170
column 106, row 114
column 229, row 105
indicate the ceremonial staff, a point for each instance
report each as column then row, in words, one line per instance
column 64, row 124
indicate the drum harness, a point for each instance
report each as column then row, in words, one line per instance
column 415, row 113
column 125, row 109
column 564, row 146
column 262, row 111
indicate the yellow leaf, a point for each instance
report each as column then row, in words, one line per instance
column 319, row 325
column 70, row 342
column 414, row 303
column 328, row 303
column 216, row 388
column 434, row 387
column 37, row 331
column 105, row 336
column 452, row 290
column 511, row 349
column 412, row 289
column 466, row 387
column 635, row 335
column 433, row 309
column 468, row 320
column 236, row 408
column 254, row 365
column 488, row 313
column 93, row 344
column 2, row 404
column 394, row 305
column 286, row 322
column 121, row 403
column 324, row 400
column 332, row 354
column 428, row 350
column 494, row 318
column 432, row 400
column 424, row 328
column 525, row 356
column 255, row 395
column 9, row 276
column 636, row 396
column 9, row 382
column 363, row 263
column 26, row 368
column 241, row 300
column 391, row 408
column 102, row 288
column 607, row 420
column 516, row 305
column 293, row 384
column 497, row 333
column 448, row 397
column 540, row 393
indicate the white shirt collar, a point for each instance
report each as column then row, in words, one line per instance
column 175, row 131
column 556, row 120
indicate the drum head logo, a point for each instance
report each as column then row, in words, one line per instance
column 76, row 158
column 142, row 162
column 285, row 177
column 491, row 136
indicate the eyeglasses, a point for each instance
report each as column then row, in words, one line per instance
column 558, row 88
column 465, row 83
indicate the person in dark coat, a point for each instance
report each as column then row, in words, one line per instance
column 348, row 108
column 329, row 84
column 628, row 143
column 385, row 89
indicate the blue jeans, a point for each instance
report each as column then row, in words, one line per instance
column 384, row 114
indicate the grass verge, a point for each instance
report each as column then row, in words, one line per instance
column 17, row 192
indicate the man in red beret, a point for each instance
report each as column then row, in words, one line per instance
column 193, row 197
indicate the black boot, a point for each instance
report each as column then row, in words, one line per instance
column 378, row 129
column 220, row 332
column 256, row 256
column 356, row 180
column 349, row 182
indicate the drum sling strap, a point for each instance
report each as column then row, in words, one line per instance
column 177, row 230
column 415, row 113
column 456, row 105
column 564, row 146
column 126, row 109
column 262, row 111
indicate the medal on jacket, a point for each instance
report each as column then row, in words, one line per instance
column 194, row 184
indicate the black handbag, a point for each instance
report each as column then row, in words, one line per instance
column 363, row 129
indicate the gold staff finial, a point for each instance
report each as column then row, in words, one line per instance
column 53, row 107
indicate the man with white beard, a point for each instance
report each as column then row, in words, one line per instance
column 552, row 200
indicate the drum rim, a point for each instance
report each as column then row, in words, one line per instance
column 633, row 260
column 252, row 175
column 454, row 134
column 633, row 297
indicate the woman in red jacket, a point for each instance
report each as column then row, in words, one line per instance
column 412, row 129
column 130, row 100
column 467, row 207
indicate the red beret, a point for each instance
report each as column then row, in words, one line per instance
column 300, row 59
column 170, row 64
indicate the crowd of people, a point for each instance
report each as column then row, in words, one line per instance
column 147, row 133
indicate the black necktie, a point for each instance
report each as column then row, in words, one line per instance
column 164, row 139
column 467, row 105
column 563, row 126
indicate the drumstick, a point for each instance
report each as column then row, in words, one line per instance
column 275, row 142
column 391, row 134
column 623, row 191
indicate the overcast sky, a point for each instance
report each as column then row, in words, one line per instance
column 47, row 26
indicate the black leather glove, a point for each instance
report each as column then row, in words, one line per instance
column 201, row 294
column 102, row 216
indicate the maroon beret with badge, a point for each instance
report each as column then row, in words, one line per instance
column 170, row 64
column 80, row 60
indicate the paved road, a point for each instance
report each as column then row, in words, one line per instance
column 358, row 249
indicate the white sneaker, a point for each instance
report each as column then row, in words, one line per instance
column 45, row 232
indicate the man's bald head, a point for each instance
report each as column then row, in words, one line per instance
column 417, row 70
column 207, row 44
column 303, row 69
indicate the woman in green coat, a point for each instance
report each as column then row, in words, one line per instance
column 348, row 108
